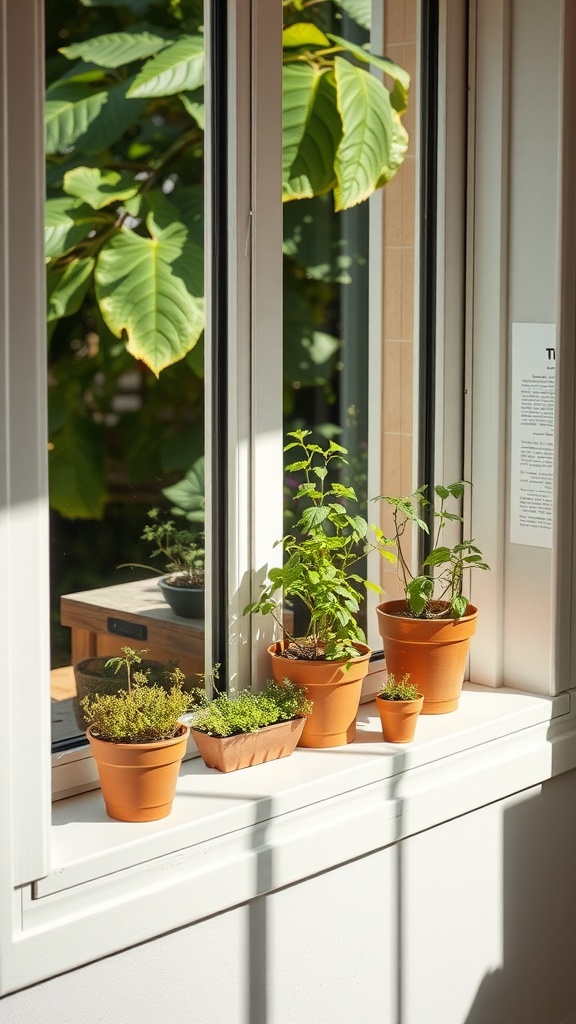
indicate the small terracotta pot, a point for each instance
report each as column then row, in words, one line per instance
column 432, row 652
column 229, row 753
column 138, row 780
column 333, row 689
column 399, row 718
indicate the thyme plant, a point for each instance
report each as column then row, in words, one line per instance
column 399, row 689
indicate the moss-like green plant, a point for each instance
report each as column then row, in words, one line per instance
column 143, row 713
column 248, row 712
column 401, row 690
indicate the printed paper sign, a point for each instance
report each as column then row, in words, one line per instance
column 532, row 433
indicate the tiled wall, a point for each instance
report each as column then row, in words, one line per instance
column 398, row 297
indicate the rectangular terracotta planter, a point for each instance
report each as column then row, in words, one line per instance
column 228, row 753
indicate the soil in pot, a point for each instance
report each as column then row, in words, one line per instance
column 333, row 689
column 432, row 652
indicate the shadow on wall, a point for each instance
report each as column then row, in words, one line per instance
column 537, row 982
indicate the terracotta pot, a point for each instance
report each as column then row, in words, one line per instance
column 432, row 651
column 138, row 780
column 333, row 689
column 399, row 717
column 229, row 753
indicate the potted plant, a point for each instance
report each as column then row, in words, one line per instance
column 250, row 728
column 427, row 634
column 399, row 705
column 99, row 675
column 183, row 553
column 138, row 741
column 321, row 570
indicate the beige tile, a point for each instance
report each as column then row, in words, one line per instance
column 407, row 174
column 393, row 211
column 391, row 464
column 406, row 386
column 392, row 294
column 407, row 485
column 394, row 22
column 406, row 257
column 410, row 21
column 391, row 386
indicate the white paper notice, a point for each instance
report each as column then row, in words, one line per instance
column 532, row 433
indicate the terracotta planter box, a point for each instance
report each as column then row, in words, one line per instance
column 229, row 753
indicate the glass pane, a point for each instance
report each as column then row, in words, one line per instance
column 124, row 214
column 349, row 259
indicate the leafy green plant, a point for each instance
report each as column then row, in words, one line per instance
column 399, row 690
column 248, row 712
column 319, row 568
column 142, row 713
column 430, row 595
column 182, row 550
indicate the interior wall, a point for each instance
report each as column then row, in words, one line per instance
column 467, row 923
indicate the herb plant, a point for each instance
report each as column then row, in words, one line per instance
column 142, row 713
column 321, row 557
column 182, row 550
column 248, row 712
column 401, row 690
column 427, row 595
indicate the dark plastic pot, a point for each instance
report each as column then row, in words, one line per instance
column 187, row 602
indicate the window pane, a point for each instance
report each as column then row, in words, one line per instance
column 125, row 196
column 349, row 259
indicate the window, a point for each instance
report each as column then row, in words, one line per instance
column 39, row 903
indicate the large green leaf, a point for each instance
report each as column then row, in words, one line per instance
column 177, row 68
column 116, row 116
column 188, row 494
column 400, row 77
column 67, row 222
column 367, row 120
column 76, row 470
column 194, row 105
column 116, row 48
column 298, row 91
column 98, row 188
column 303, row 34
column 312, row 170
column 150, row 288
column 359, row 10
column 67, row 286
column 70, row 109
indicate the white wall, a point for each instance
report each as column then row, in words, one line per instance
column 472, row 922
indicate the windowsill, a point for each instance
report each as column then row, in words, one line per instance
column 86, row 844
column 233, row 837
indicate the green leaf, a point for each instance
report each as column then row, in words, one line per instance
column 115, row 48
column 98, row 188
column 76, row 464
column 459, row 606
column 117, row 115
column 439, row 556
column 400, row 77
column 68, row 113
column 188, row 494
column 194, row 105
column 363, row 154
column 67, row 221
column 67, row 286
column 312, row 517
column 303, row 34
column 151, row 288
column 359, row 10
column 312, row 131
column 320, row 471
column 177, row 68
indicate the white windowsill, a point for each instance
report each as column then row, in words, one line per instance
column 113, row 884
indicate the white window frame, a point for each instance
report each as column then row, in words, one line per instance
column 319, row 809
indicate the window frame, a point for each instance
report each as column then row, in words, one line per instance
column 523, row 745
